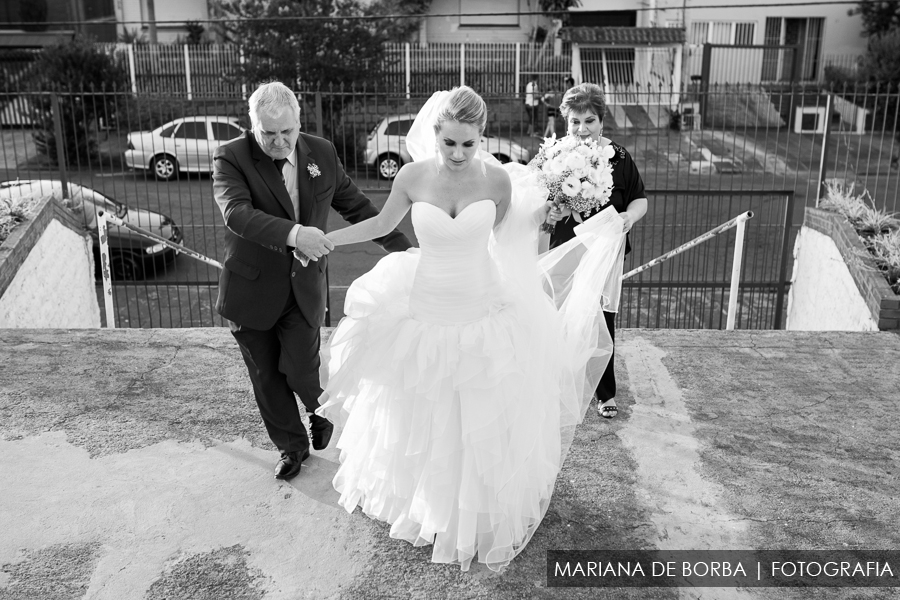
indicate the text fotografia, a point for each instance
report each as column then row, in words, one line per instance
column 725, row 568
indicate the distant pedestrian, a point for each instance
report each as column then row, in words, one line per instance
column 532, row 102
column 551, row 101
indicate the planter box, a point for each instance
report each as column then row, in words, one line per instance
column 47, row 272
column 836, row 285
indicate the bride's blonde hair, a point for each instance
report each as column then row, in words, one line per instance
column 463, row 105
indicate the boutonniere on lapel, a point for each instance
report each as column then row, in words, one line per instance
column 313, row 169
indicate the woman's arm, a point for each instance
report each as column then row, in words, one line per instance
column 636, row 210
column 395, row 208
column 501, row 191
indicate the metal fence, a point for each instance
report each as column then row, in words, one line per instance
column 760, row 148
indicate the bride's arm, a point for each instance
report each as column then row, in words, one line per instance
column 395, row 208
column 502, row 193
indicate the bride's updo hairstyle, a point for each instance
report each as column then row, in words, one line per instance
column 463, row 105
column 584, row 97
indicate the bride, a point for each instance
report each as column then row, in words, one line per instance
column 461, row 369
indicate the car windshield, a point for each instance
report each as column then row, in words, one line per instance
column 400, row 127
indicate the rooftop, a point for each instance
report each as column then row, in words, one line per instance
column 624, row 36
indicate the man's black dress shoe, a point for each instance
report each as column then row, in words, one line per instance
column 321, row 431
column 289, row 465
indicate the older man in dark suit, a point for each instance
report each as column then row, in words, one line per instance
column 274, row 186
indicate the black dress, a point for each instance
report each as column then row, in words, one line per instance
column 627, row 187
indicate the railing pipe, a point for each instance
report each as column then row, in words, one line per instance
column 106, row 217
column 688, row 245
column 106, row 270
column 735, row 272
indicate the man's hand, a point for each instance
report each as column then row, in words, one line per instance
column 312, row 242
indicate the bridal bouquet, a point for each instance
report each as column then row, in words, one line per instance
column 576, row 172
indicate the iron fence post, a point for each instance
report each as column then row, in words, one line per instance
column 782, row 272
column 319, row 127
column 60, row 143
column 795, row 82
column 704, row 81
column 823, row 159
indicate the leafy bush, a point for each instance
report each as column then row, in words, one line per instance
column 878, row 230
column 87, row 82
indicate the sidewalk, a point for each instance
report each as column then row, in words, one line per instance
column 133, row 464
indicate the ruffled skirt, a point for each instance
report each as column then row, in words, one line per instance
column 451, row 431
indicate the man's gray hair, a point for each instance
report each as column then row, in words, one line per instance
column 272, row 98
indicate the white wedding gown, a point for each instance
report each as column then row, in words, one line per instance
column 459, row 381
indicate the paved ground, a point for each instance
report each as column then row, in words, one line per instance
column 133, row 465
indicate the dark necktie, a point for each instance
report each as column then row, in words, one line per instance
column 279, row 162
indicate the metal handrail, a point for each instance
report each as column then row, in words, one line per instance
column 740, row 222
column 103, row 219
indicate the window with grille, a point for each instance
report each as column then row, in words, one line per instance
column 722, row 32
column 803, row 33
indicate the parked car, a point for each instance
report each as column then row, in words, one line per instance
column 386, row 146
column 184, row 145
column 131, row 255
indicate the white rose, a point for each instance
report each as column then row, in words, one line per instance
column 575, row 161
column 607, row 152
column 606, row 180
column 558, row 164
column 571, row 186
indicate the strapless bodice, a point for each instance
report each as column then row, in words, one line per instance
column 456, row 280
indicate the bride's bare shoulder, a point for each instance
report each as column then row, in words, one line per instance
column 410, row 173
column 500, row 183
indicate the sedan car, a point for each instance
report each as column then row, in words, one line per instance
column 386, row 146
column 132, row 255
column 183, row 145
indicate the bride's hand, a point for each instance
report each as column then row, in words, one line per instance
column 554, row 212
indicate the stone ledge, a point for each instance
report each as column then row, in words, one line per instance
column 883, row 303
column 16, row 248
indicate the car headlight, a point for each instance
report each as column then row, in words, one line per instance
column 155, row 248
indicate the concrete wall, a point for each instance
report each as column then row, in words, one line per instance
column 47, row 273
column 132, row 12
column 841, row 33
column 447, row 26
column 823, row 295
column 836, row 285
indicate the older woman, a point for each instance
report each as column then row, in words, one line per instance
column 583, row 107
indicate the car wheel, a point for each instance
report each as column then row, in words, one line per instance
column 125, row 267
column 388, row 166
column 165, row 167
column 502, row 158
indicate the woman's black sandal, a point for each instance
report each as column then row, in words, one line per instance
column 608, row 411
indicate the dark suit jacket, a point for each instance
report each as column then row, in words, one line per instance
column 259, row 269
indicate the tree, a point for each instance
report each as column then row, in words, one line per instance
column 877, row 17
column 558, row 9
column 87, row 82
column 289, row 40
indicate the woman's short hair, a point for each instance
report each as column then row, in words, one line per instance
column 463, row 105
column 584, row 97
column 272, row 98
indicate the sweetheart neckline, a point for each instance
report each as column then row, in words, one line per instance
column 460, row 212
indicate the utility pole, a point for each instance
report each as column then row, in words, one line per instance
column 151, row 18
